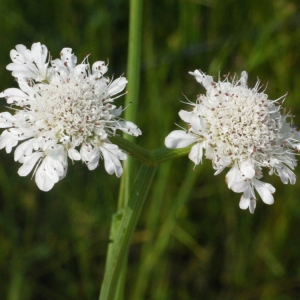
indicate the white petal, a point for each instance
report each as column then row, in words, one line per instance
column 111, row 162
column 245, row 199
column 7, row 141
column 99, row 68
column 52, row 169
column 13, row 95
column 180, row 139
column 252, row 205
column 185, row 115
column 265, row 191
column 117, row 86
column 26, row 53
column 60, row 161
column 231, row 176
column 20, row 70
column 115, row 150
column 24, row 149
column 74, row 154
column 240, row 186
column 68, row 58
column 80, row 70
column 235, row 181
column 291, row 175
column 23, row 84
column 6, row 120
column 39, row 55
column 205, row 80
column 30, row 162
column 44, row 180
column 247, row 169
column 21, row 133
column 285, row 174
column 94, row 159
column 85, row 152
column 244, row 78
column 196, row 153
column 129, row 127
column 224, row 162
column 197, row 123
column 219, row 170
column 117, row 112
column 18, row 56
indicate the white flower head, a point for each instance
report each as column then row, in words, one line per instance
column 61, row 109
column 240, row 128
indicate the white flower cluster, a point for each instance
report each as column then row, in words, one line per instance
column 240, row 128
column 59, row 107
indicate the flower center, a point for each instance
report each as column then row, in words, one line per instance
column 71, row 109
column 240, row 121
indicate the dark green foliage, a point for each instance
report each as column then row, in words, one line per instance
column 193, row 241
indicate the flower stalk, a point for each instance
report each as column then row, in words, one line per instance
column 128, row 220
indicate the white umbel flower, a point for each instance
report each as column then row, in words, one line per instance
column 240, row 128
column 61, row 109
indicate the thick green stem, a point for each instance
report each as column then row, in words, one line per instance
column 129, row 218
column 133, row 77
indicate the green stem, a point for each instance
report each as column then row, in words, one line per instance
column 133, row 61
column 132, row 149
column 133, row 77
column 129, row 220
column 121, row 281
column 149, row 157
column 164, row 154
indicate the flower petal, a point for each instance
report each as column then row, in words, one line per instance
column 129, row 127
column 240, row 186
column 99, row 68
column 74, row 154
column 185, row 115
column 247, row 169
column 196, row 153
column 205, row 80
column 198, row 124
column 52, row 169
column 285, row 174
column 7, row 141
column 111, row 162
column 29, row 163
column 23, row 149
column 117, row 86
column 252, row 205
column 231, row 176
column 44, row 179
column 245, row 199
column 94, row 159
column 6, row 120
column 180, row 139
column 265, row 191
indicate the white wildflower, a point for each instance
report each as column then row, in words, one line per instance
column 61, row 109
column 240, row 128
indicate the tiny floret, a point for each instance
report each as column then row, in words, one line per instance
column 239, row 128
column 61, row 109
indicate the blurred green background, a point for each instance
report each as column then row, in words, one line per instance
column 193, row 241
